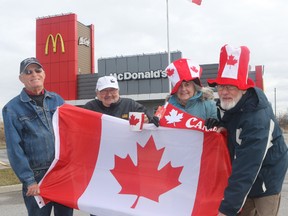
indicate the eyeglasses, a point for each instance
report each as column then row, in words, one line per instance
column 30, row 71
column 106, row 91
column 226, row 87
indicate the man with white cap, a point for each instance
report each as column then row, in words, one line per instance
column 108, row 100
column 257, row 148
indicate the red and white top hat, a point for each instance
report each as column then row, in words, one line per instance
column 233, row 68
column 183, row 70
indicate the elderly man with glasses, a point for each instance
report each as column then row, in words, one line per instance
column 108, row 101
column 30, row 137
column 257, row 148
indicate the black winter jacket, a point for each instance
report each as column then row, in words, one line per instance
column 120, row 109
column 257, row 149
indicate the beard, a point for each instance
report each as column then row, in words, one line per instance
column 227, row 105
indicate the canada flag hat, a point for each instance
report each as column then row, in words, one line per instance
column 183, row 70
column 233, row 68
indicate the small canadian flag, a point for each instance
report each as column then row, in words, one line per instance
column 198, row 2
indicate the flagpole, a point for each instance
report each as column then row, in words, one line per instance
column 167, row 16
column 168, row 46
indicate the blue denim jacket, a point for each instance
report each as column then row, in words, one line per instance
column 29, row 134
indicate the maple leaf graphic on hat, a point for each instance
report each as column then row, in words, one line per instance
column 231, row 61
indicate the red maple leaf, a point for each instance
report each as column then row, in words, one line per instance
column 231, row 60
column 194, row 69
column 144, row 179
column 170, row 72
column 133, row 120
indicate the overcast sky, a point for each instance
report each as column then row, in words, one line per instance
column 131, row 27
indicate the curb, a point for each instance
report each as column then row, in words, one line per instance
column 4, row 164
column 10, row 188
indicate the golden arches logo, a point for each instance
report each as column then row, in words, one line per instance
column 54, row 43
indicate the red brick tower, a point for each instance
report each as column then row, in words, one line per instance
column 65, row 48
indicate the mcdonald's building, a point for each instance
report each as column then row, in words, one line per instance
column 65, row 47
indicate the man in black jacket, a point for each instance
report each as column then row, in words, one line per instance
column 108, row 100
column 255, row 141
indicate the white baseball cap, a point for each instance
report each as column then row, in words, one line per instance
column 106, row 82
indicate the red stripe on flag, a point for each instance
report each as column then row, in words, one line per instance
column 215, row 170
column 78, row 156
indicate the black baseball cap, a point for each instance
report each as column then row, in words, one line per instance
column 26, row 62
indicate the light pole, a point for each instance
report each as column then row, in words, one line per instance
column 167, row 16
column 275, row 102
column 168, row 45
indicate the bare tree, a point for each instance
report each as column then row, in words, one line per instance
column 283, row 121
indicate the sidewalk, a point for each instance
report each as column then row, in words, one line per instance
column 14, row 191
column 10, row 188
column 11, row 202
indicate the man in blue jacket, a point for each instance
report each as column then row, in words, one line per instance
column 30, row 137
column 257, row 148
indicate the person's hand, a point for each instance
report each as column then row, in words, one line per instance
column 222, row 130
column 211, row 123
column 221, row 214
column 33, row 190
column 155, row 120
column 146, row 119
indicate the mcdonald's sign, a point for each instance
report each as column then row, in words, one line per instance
column 54, row 43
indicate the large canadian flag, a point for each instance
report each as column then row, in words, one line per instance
column 104, row 168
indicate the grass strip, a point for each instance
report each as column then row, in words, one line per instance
column 8, row 177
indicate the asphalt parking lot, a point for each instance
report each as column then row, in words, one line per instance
column 11, row 202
